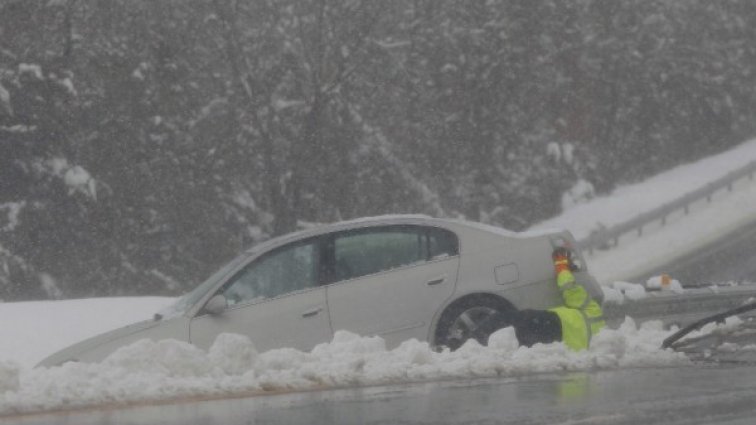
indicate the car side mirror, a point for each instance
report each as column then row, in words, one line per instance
column 216, row 304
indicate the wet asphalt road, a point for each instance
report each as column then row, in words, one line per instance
column 704, row 394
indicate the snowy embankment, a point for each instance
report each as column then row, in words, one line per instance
column 30, row 331
column 164, row 370
column 682, row 234
column 628, row 201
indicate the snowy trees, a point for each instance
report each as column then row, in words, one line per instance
column 142, row 143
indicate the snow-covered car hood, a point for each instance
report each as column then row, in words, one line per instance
column 98, row 347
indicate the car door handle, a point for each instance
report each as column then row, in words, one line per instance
column 313, row 312
column 437, row 281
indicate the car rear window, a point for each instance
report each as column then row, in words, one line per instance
column 442, row 243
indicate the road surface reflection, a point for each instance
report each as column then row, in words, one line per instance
column 704, row 394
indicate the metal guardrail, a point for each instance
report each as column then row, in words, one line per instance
column 605, row 238
column 679, row 309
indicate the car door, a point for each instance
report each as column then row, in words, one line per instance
column 390, row 281
column 276, row 300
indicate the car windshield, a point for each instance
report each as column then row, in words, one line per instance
column 186, row 301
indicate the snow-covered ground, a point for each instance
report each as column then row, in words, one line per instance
column 30, row 331
column 682, row 234
column 628, row 201
column 169, row 369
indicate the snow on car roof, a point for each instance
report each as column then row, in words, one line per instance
column 460, row 222
column 314, row 229
column 386, row 217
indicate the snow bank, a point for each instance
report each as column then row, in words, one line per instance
column 665, row 283
column 31, row 331
column 618, row 292
column 627, row 202
column 9, row 373
column 148, row 370
column 682, row 235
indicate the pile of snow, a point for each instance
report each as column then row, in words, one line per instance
column 168, row 369
column 9, row 380
column 618, row 292
column 730, row 325
column 665, row 283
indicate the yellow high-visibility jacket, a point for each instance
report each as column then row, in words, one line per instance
column 581, row 316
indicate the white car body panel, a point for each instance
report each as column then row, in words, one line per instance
column 397, row 304
column 298, row 320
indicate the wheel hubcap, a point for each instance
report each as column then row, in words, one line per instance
column 467, row 326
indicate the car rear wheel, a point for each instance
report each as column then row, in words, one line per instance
column 472, row 318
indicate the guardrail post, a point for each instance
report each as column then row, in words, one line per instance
column 664, row 221
column 640, row 230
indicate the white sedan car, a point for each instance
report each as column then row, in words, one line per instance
column 399, row 277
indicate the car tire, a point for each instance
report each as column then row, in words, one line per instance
column 474, row 317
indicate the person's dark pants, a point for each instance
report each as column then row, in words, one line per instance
column 534, row 326
column 531, row 326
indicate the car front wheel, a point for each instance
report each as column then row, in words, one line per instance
column 472, row 318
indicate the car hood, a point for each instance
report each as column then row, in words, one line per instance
column 76, row 351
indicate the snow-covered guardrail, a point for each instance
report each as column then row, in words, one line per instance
column 608, row 237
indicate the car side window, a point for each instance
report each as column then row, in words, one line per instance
column 285, row 270
column 365, row 252
column 442, row 243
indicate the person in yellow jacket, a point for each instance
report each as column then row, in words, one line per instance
column 573, row 323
